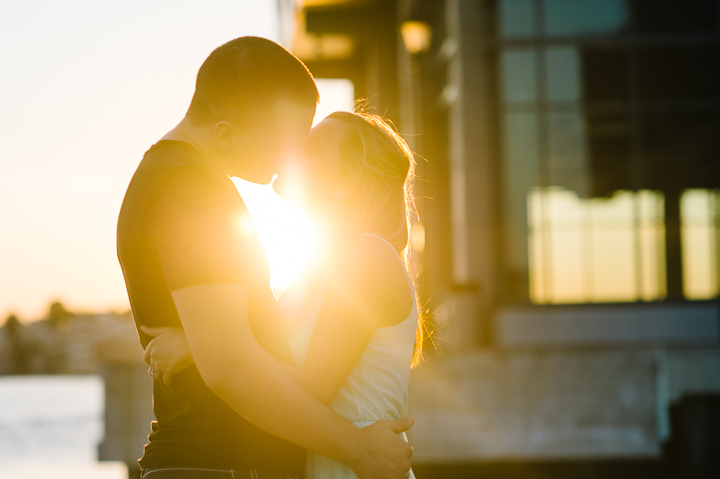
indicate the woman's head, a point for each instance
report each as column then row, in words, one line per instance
column 361, row 171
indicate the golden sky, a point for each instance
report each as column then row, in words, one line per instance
column 86, row 88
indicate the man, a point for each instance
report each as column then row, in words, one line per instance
column 187, row 264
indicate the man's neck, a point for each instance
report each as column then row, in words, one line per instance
column 189, row 134
column 199, row 138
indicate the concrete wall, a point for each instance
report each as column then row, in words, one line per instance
column 534, row 404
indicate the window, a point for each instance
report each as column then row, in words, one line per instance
column 595, row 250
column 700, row 219
column 610, row 110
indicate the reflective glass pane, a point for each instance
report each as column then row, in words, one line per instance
column 651, row 235
column 613, row 249
column 609, row 150
column 679, row 72
column 595, row 250
column 563, row 73
column 673, row 16
column 537, row 245
column 519, row 76
column 605, row 75
column 567, row 151
column 680, row 148
column 700, row 229
column 566, row 248
column 613, row 263
column 521, row 172
column 574, row 17
column 517, row 18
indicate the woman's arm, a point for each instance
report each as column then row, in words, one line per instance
column 360, row 294
column 168, row 353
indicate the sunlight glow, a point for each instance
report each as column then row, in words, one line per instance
column 336, row 94
column 287, row 236
column 60, row 204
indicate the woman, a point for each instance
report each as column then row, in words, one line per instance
column 352, row 324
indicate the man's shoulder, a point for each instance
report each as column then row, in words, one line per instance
column 174, row 177
column 175, row 170
column 178, row 161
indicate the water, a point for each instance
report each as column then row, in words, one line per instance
column 50, row 427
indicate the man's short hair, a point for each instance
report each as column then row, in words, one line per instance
column 242, row 78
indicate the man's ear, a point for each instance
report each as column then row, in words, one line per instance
column 225, row 135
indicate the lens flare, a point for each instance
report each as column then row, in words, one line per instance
column 287, row 236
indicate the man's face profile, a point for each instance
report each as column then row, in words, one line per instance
column 271, row 139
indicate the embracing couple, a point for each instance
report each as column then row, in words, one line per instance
column 244, row 385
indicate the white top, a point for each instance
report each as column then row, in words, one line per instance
column 377, row 388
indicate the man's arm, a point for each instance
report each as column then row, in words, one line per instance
column 208, row 266
column 258, row 387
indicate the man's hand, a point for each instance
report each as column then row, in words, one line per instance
column 383, row 454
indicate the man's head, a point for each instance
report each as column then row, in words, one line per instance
column 256, row 100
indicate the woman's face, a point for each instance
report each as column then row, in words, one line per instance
column 320, row 166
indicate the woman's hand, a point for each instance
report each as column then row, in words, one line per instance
column 168, row 353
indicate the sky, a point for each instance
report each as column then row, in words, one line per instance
column 86, row 88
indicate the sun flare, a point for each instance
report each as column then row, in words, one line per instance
column 287, row 236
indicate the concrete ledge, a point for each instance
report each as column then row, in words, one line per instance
column 493, row 405
column 543, row 404
column 128, row 411
column 696, row 323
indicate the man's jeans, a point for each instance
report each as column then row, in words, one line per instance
column 196, row 473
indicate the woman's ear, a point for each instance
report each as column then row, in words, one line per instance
column 225, row 135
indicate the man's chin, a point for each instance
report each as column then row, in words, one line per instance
column 261, row 178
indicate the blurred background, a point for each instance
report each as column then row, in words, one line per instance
column 567, row 246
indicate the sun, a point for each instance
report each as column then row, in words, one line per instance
column 287, row 236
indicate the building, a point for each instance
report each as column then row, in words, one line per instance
column 569, row 234
column 65, row 343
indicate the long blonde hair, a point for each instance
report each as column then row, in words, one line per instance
column 383, row 167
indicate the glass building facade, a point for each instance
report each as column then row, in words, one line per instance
column 609, row 114
column 568, row 221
